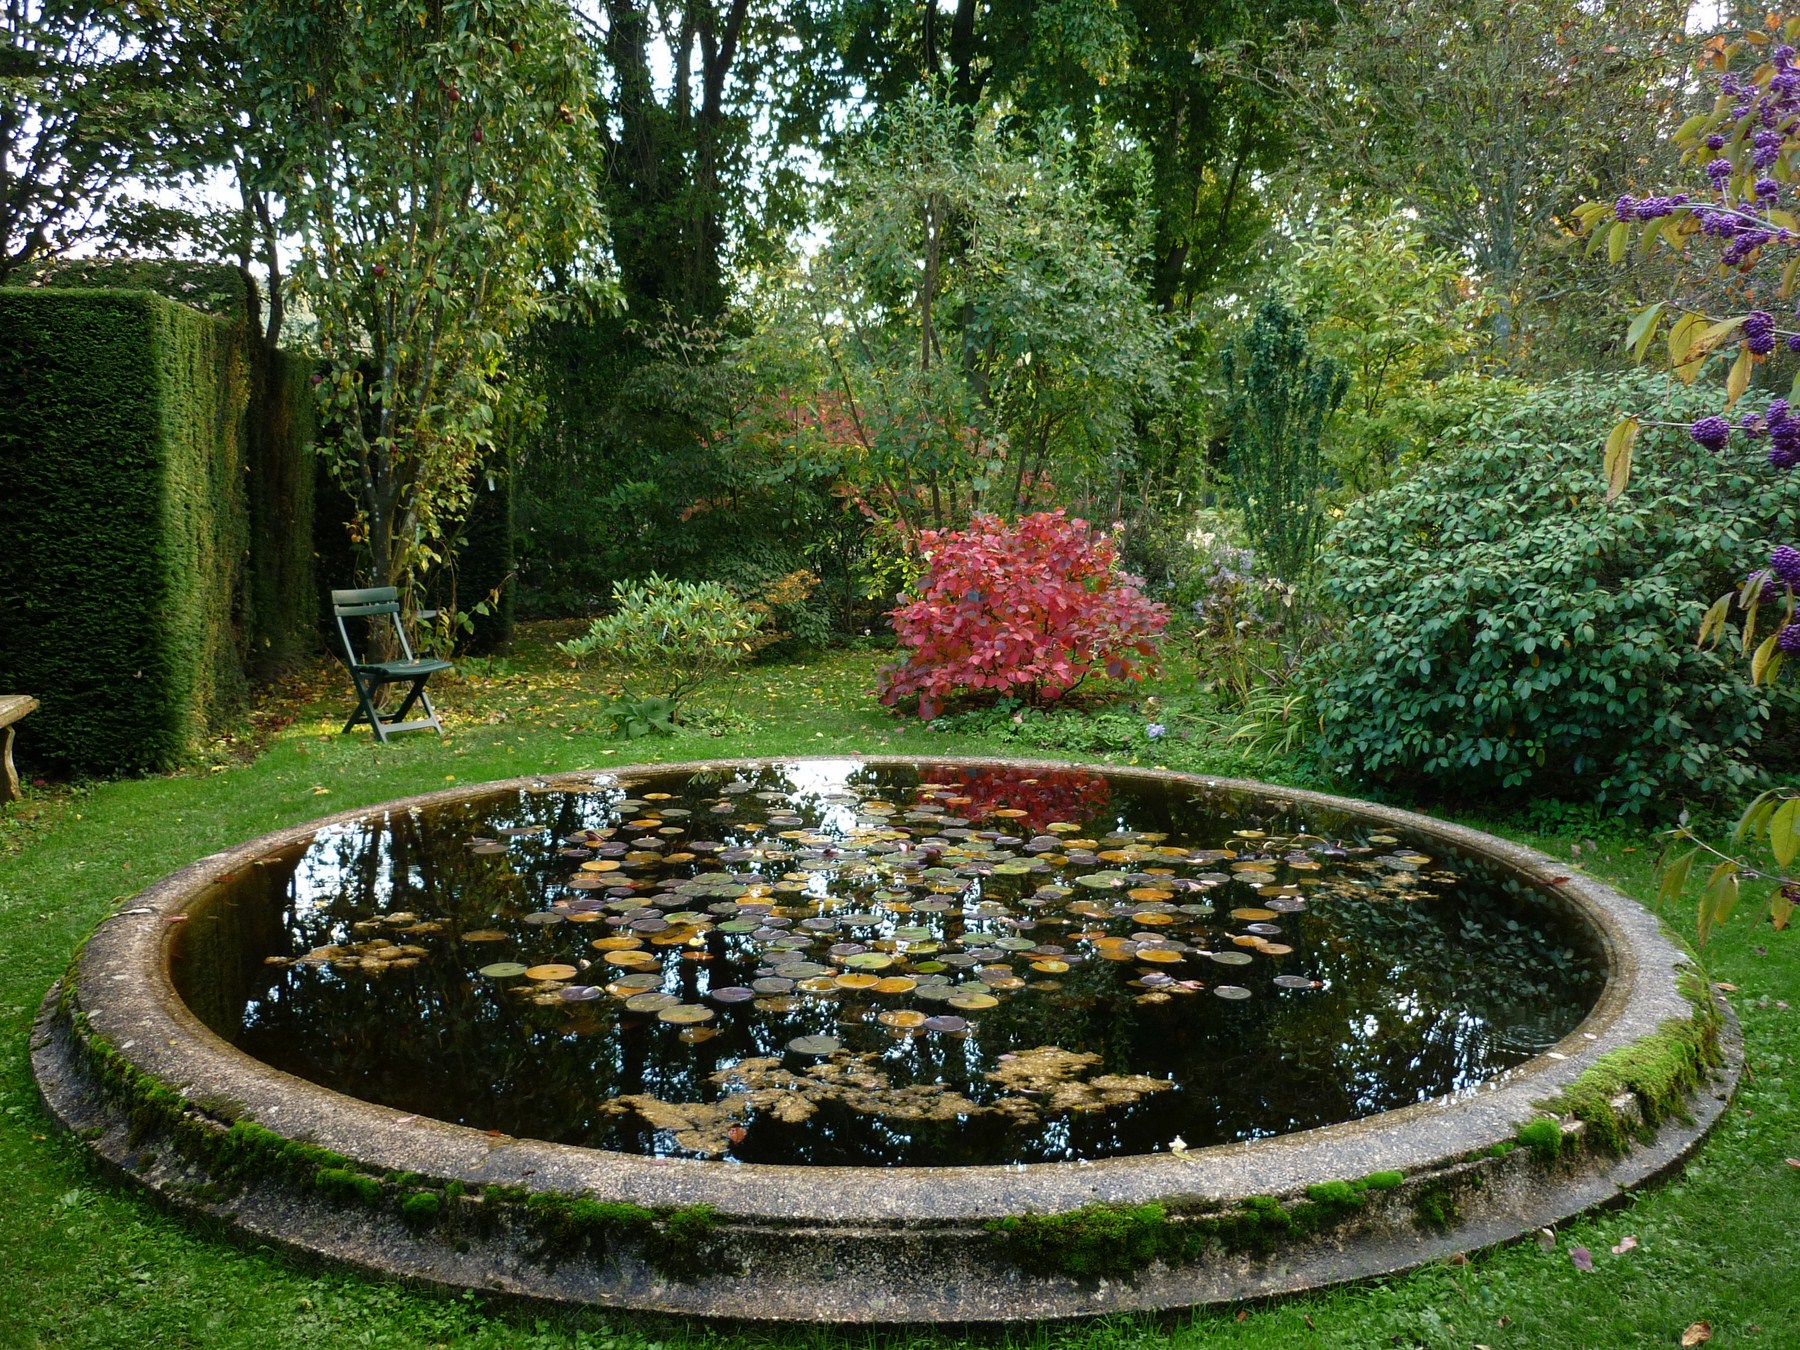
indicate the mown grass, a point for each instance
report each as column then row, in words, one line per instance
column 86, row 1264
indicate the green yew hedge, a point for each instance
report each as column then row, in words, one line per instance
column 283, row 610
column 126, row 502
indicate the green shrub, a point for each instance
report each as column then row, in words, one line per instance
column 1507, row 629
column 672, row 635
column 124, row 520
column 1281, row 393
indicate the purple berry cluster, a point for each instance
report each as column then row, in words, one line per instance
column 1784, row 562
column 1778, row 424
column 1759, row 332
column 1784, row 435
column 1649, row 208
column 1712, row 432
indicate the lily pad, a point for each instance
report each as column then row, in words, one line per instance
column 815, row 1045
column 503, row 970
column 1231, row 991
column 632, row 960
column 686, row 1014
column 651, row 1001
column 972, row 1001
column 1102, row 881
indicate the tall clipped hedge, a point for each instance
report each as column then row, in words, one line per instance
column 122, row 504
column 283, row 612
column 1506, row 629
column 485, row 562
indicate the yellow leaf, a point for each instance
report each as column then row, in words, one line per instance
column 1617, row 241
column 1681, row 337
column 1784, row 831
column 1739, row 379
column 1618, row 457
column 1674, row 881
column 1712, row 623
column 1766, row 661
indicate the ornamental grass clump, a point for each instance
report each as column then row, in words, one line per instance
column 1028, row 610
column 672, row 637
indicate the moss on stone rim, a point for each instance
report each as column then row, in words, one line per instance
column 1107, row 1240
column 1660, row 1071
column 675, row 1242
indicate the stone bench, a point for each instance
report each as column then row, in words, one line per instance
column 12, row 708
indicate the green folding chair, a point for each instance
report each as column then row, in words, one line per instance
column 371, row 677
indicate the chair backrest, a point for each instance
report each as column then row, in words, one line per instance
column 371, row 603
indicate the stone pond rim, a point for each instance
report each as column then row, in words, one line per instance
column 125, row 1066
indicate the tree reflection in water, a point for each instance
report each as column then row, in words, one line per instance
column 1043, row 908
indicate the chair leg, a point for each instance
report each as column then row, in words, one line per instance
column 366, row 710
column 417, row 695
column 412, row 696
column 9, row 776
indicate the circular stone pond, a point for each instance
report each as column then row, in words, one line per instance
column 881, row 1040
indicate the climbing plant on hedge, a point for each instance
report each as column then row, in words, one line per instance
column 1507, row 628
column 1030, row 609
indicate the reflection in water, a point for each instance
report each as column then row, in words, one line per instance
column 830, row 962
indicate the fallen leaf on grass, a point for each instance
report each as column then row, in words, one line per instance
column 1697, row 1334
column 1581, row 1258
column 1546, row 1238
column 1725, row 988
column 1793, row 1162
column 1624, row 1245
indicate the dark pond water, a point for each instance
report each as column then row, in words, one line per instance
column 834, row 963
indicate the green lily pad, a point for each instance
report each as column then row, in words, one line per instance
column 653, row 1001
column 504, row 970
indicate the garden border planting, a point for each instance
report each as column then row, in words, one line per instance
column 124, row 1065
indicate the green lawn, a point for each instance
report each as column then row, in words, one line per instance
column 85, row 1264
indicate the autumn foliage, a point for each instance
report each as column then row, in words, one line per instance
column 1028, row 609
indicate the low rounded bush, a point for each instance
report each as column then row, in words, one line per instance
column 672, row 635
column 1505, row 627
column 1028, row 609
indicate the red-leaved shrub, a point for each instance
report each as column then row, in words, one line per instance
column 1029, row 609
